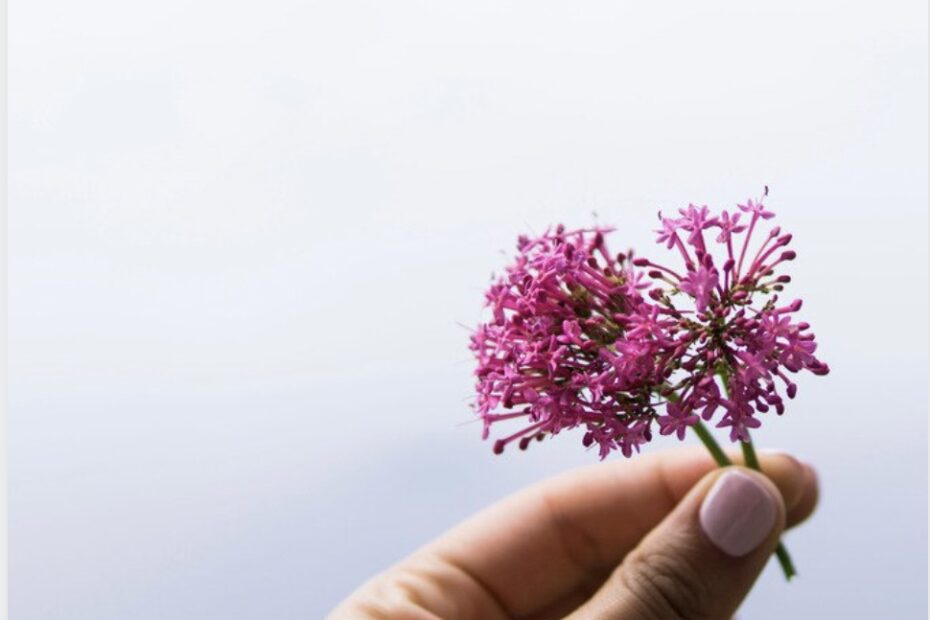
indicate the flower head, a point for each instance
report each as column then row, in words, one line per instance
column 572, row 343
column 579, row 338
column 737, row 330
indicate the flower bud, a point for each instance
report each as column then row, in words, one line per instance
column 821, row 370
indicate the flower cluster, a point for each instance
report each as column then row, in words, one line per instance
column 617, row 344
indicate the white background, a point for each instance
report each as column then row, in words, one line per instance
column 243, row 235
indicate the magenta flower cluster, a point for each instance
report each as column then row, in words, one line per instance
column 621, row 345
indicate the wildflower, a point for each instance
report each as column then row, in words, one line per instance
column 729, row 226
column 677, row 419
column 736, row 330
column 581, row 337
column 617, row 345
column 668, row 234
column 696, row 221
column 700, row 284
column 572, row 343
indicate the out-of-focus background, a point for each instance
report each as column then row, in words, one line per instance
column 245, row 239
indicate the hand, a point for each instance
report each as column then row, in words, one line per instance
column 666, row 535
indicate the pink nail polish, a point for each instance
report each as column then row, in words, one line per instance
column 738, row 513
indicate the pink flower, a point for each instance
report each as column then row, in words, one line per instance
column 558, row 352
column 756, row 209
column 668, row 234
column 729, row 226
column 741, row 332
column 700, row 285
column 677, row 419
column 696, row 220
column 579, row 337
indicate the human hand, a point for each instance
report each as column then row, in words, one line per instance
column 666, row 535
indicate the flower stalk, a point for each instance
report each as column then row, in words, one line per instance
column 752, row 462
column 749, row 456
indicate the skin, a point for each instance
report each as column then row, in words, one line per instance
column 619, row 539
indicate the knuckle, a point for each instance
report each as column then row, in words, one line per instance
column 395, row 595
column 666, row 585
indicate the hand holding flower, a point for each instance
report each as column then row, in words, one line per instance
column 664, row 536
column 619, row 345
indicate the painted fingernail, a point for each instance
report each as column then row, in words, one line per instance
column 738, row 513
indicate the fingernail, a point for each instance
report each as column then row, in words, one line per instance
column 738, row 513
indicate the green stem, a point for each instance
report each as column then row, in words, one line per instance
column 720, row 457
column 787, row 566
column 749, row 456
column 752, row 461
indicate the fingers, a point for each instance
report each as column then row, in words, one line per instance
column 550, row 539
column 548, row 547
column 804, row 506
column 544, row 543
column 703, row 558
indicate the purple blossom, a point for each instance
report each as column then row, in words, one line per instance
column 556, row 353
column 700, row 285
column 580, row 337
column 696, row 221
column 729, row 226
column 668, row 234
column 677, row 419
column 757, row 209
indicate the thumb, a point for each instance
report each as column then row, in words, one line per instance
column 701, row 561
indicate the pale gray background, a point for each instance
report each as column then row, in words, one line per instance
column 242, row 235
